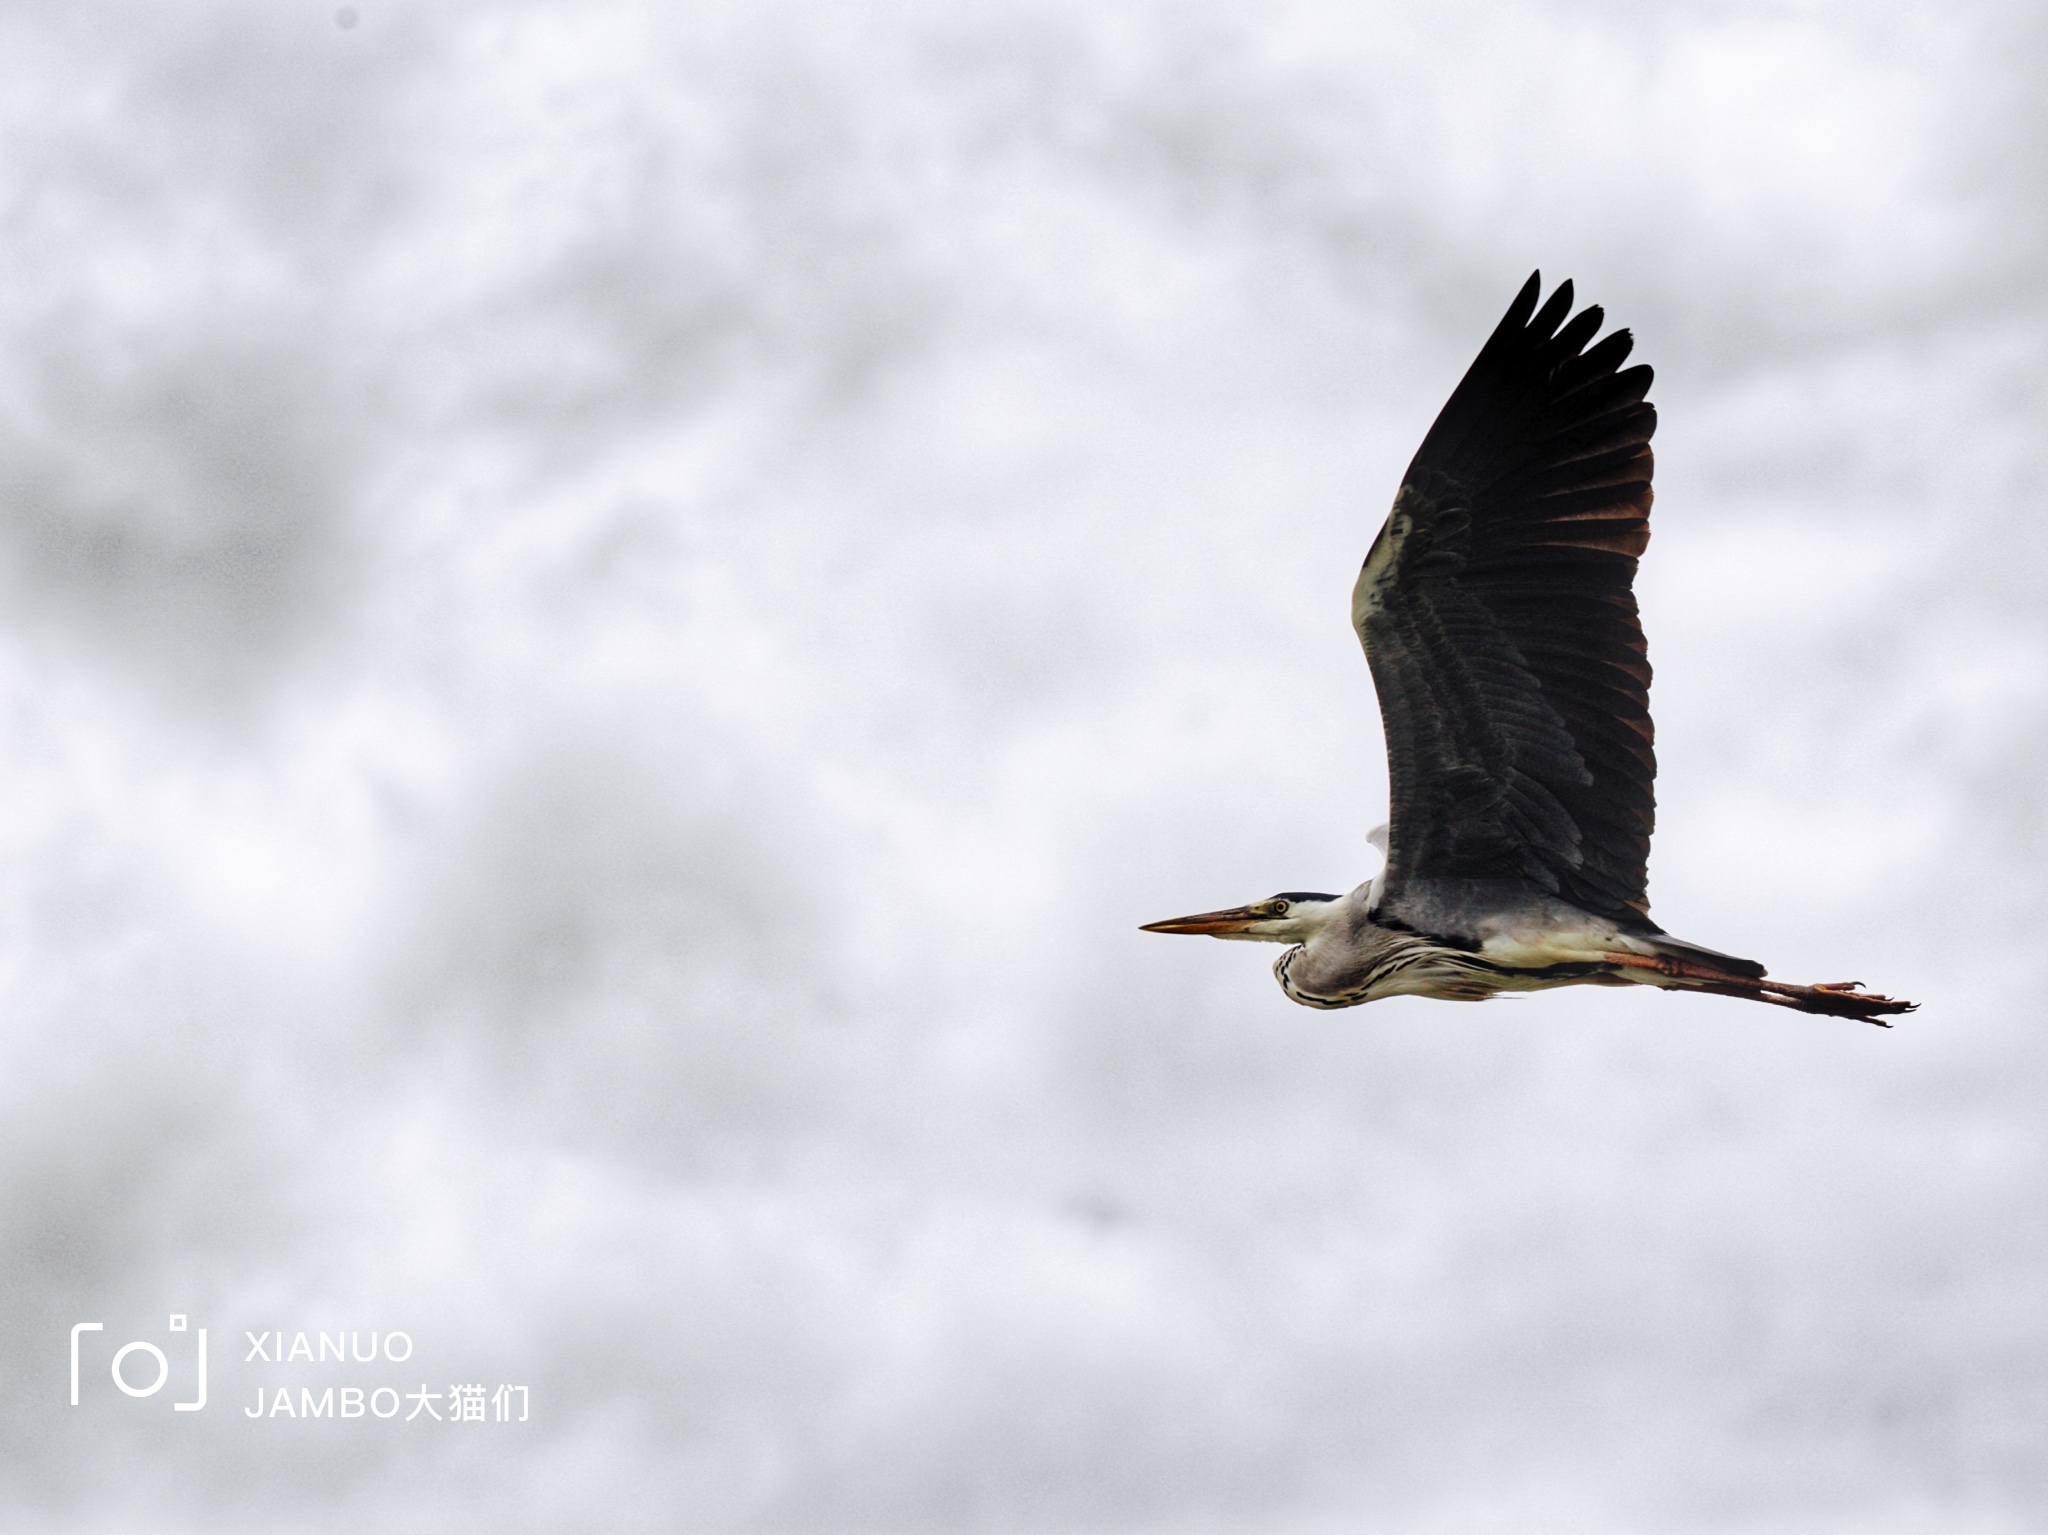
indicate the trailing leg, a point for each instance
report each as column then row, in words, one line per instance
column 1839, row 999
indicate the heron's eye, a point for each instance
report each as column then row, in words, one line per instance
column 1278, row 908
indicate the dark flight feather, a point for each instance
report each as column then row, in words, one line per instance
column 1497, row 614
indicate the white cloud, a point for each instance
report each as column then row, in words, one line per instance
column 617, row 613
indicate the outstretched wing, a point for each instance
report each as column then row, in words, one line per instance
column 1497, row 615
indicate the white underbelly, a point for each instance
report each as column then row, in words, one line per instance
column 1537, row 949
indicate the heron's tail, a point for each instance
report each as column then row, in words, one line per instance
column 1707, row 959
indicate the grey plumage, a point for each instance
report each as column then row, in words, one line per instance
column 1497, row 612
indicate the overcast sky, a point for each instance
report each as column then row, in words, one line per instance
column 611, row 615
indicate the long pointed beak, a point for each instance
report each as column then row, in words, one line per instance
column 1217, row 924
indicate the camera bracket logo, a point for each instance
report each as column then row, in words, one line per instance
column 120, row 1367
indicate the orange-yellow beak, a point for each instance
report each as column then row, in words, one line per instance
column 1217, row 924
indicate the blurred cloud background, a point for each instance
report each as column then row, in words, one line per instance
column 610, row 615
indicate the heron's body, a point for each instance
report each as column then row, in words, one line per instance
column 1488, row 938
column 1497, row 613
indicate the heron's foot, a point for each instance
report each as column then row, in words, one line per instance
column 1840, row 999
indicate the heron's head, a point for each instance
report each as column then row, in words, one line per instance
column 1293, row 916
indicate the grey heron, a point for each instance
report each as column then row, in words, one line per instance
column 1498, row 616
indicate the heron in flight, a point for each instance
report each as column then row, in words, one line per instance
column 1498, row 618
